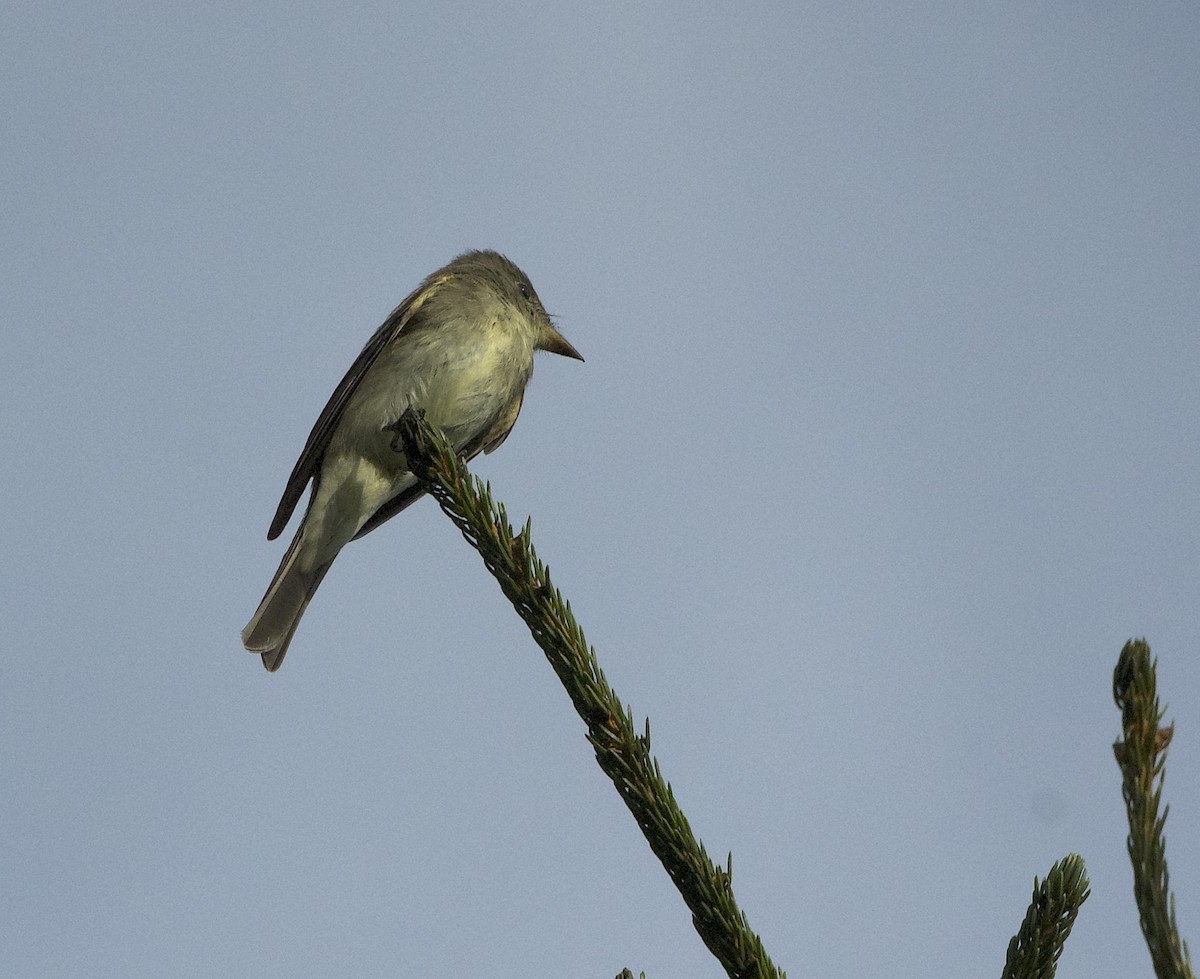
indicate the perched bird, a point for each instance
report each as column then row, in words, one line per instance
column 460, row 347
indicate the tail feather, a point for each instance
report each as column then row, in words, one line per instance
column 272, row 626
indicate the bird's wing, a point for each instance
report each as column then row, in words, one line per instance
column 308, row 466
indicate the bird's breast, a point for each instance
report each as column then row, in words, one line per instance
column 464, row 380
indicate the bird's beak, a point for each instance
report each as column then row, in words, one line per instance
column 550, row 339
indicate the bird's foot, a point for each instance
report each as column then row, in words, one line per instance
column 394, row 428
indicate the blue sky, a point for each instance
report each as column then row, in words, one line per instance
column 887, row 440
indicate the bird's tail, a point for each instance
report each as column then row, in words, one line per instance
column 272, row 626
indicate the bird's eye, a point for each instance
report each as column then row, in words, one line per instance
column 524, row 288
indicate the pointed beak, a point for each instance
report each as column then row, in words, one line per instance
column 554, row 341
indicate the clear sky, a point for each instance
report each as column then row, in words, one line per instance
column 887, row 440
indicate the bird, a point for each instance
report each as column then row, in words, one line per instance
column 459, row 348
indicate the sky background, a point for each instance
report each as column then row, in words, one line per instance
column 887, row 440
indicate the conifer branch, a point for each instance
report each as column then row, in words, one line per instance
column 1141, row 758
column 622, row 753
column 1034, row 950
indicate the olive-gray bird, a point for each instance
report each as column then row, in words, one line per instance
column 461, row 348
